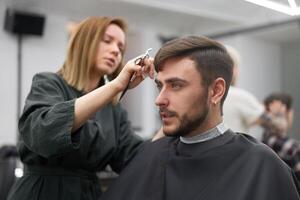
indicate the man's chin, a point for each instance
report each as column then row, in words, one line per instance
column 170, row 132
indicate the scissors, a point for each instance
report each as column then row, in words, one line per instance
column 137, row 61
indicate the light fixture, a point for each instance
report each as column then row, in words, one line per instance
column 292, row 9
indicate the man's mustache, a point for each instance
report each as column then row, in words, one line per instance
column 167, row 113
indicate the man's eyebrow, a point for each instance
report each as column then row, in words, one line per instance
column 176, row 79
column 171, row 80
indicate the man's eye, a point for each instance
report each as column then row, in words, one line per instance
column 175, row 86
column 158, row 87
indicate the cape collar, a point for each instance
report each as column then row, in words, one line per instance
column 207, row 135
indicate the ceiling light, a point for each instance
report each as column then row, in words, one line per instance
column 289, row 10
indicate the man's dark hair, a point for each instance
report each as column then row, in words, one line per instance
column 284, row 98
column 211, row 58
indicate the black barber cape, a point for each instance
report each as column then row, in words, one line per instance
column 230, row 167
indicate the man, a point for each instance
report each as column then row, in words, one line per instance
column 288, row 149
column 200, row 158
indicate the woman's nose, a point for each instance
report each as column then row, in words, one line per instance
column 115, row 49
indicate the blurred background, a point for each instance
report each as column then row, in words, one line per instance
column 268, row 41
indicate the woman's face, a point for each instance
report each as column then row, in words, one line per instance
column 110, row 50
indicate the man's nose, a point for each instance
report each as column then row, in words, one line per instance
column 161, row 99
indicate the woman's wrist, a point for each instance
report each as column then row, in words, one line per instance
column 116, row 86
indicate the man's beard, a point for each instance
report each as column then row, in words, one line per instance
column 187, row 124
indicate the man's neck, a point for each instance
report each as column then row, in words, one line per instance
column 209, row 123
column 214, row 132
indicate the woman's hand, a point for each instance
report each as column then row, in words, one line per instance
column 133, row 74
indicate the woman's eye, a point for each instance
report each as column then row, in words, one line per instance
column 106, row 40
column 121, row 48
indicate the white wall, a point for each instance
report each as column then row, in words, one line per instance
column 291, row 81
column 8, row 100
column 44, row 53
column 140, row 101
column 260, row 67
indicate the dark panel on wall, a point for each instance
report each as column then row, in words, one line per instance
column 18, row 22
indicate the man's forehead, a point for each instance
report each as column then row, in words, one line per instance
column 182, row 68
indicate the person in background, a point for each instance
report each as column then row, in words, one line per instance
column 72, row 125
column 242, row 110
column 200, row 158
column 279, row 105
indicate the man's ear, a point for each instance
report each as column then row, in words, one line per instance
column 217, row 90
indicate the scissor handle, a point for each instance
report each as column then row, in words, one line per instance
column 138, row 61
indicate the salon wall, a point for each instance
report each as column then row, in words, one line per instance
column 260, row 64
column 44, row 53
column 290, row 80
column 8, row 63
column 140, row 101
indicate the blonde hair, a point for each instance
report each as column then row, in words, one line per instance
column 82, row 50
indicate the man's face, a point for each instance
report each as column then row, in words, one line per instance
column 182, row 100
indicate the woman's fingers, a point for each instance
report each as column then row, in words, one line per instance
column 133, row 74
column 148, row 67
